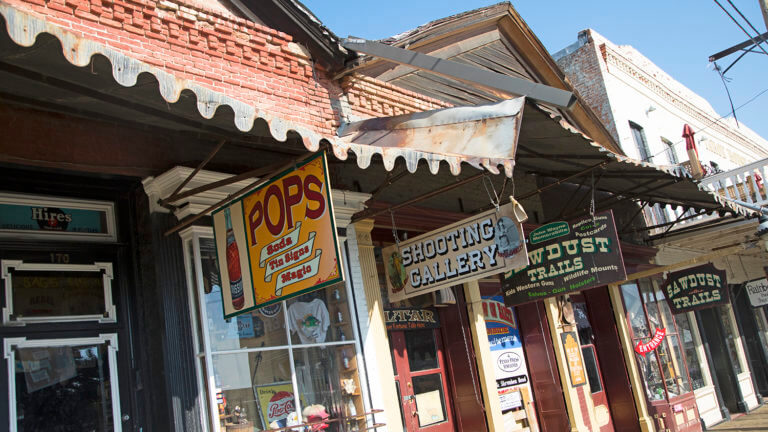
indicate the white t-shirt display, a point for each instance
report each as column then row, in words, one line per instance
column 309, row 320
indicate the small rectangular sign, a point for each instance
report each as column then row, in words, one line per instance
column 758, row 292
column 279, row 241
column 573, row 356
column 483, row 245
column 567, row 257
column 56, row 218
column 411, row 319
column 696, row 288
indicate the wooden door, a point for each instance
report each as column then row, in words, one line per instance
column 420, row 377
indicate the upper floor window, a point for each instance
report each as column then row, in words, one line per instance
column 642, row 145
column 669, row 150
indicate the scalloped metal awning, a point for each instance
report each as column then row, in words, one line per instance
column 482, row 136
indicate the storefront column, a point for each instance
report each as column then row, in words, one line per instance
column 485, row 361
column 645, row 420
column 570, row 394
column 373, row 333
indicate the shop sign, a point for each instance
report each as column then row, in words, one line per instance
column 567, row 257
column 695, row 288
column 645, row 348
column 483, row 245
column 758, row 292
column 573, row 356
column 411, row 319
column 279, row 241
column 506, row 346
column 43, row 217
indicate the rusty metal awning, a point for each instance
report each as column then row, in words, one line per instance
column 484, row 136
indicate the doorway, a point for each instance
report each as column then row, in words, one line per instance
column 420, row 378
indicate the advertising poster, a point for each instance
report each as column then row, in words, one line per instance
column 573, row 355
column 275, row 401
column 279, row 241
column 483, row 245
column 565, row 257
column 695, row 288
column 758, row 292
column 507, row 349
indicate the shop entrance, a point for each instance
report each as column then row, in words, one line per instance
column 591, row 362
column 421, row 381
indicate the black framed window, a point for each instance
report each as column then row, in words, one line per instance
column 642, row 144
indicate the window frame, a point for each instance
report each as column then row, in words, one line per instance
column 203, row 354
column 641, row 142
column 109, row 315
column 22, row 342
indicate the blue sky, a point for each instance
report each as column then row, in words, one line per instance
column 677, row 35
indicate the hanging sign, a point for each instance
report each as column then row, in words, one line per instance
column 758, row 292
column 279, row 241
column 411, row 319
column 567, row 257
column 645, row 348
column 483, row 245
column 573, row 356
column 695, row 288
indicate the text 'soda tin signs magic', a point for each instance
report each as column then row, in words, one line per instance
column 279, row 241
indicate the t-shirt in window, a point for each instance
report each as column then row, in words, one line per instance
column 309, row 320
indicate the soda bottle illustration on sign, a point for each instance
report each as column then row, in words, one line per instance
column 233, row 266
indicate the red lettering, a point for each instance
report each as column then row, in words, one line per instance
column 274, row 228
column 291, row 200
column 314, row 195
column 255, row 217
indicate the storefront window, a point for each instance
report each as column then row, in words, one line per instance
column 691, row 354
column 664, row 369
column 253, row 365
column 730, row 337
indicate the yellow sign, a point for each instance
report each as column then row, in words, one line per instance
column 573, row 355
column 279, row 241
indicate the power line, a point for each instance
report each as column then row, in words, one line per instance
column 648, row 159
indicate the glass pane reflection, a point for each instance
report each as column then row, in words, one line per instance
column 422, row 349
column 66, row 388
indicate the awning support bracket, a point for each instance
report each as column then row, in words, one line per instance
column 231, row 197
column 172, row 197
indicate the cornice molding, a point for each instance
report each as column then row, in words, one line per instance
column 629, row 68
column 345, row 203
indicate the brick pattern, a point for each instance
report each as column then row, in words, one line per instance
column 369, row 97
column 245, row 60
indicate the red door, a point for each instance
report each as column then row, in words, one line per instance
column 591, row 363
column 420, row 377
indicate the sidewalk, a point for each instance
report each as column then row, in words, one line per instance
column 757, row 420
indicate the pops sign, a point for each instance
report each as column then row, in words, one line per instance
column 279, row 241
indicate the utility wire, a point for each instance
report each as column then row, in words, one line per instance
column 742, row 27
column 748, row 23
column 728, row 92
column 648, row 159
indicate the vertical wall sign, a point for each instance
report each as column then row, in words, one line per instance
column 758, row 292
column 512, row 383
column 279, row 241
column 566, row 257
column 483, row 245
column 696, row 288
column 573, row 356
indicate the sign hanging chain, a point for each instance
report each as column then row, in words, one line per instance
column 495, row 200
column 592, row 203
column 394, row 229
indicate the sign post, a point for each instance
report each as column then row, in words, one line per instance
column 279, row 241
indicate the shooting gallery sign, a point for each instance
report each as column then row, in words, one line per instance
column 695, row 288
column 568, row 256
column 483, row 245
column 279, row 241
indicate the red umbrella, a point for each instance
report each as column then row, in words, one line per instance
column 693, row 153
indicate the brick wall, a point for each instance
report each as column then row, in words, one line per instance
column 213, row 48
